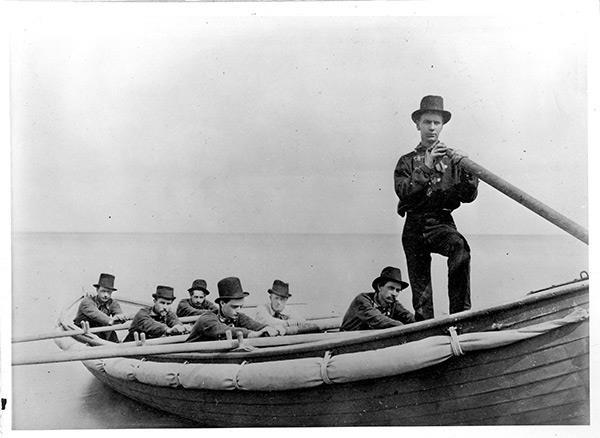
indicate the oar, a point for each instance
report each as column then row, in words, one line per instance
column 314, row 326
column 279, row 341
column 75, row 332
column 302, row 328
column 124, row 350
column 326, row 323
column 65, row 333
column 526, row 200
column 246, row 306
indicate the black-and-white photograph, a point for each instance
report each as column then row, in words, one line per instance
column 298, row 214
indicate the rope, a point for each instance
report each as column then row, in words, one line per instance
column 237, row 375
column 324, row 364
column 454, row 344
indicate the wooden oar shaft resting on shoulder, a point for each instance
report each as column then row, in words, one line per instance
column 526, row 200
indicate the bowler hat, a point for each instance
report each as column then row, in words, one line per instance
column 230, row 288
column 165, row 292
column 432, row 104
column 107, row 281
column 389, row 274
column 199, row 285
column 281, row 289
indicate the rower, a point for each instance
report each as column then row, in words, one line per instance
column 101, row 310
column 379, row 309
column 197, row 303
column 157, row 320
column 211, row 326
column 273, row 313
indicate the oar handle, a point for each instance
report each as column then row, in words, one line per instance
column 525, row 199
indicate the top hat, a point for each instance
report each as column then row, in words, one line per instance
column 230, row 288
column 199, row 285
column 281, row 289
column 165, row 292
column 431, row 104
column 389, row 274
column 107, row 281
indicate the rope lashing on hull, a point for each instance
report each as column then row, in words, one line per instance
column 237, row 375
column 454, row 342
column 314, row 371
column 324, row 363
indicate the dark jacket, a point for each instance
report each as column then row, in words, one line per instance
column 95, row 312
column 151, row 324
column 211, row 326
column 186, row 308
column 421, row 189
column 365, row 314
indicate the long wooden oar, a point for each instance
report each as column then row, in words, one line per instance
column 246, row 306
column 66, row 333
column 320, row 320
column 526, row 200
column 122, row 351
column 303, row 328
column 105, row 352
column 75, row 332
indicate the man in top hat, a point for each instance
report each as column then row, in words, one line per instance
column 157, row 320
column 101, row 310
column 379, row 309
column 211, row 326
column 430, row 184
column 273, row 313
column 197, row 303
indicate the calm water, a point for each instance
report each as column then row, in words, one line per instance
column 50, row 270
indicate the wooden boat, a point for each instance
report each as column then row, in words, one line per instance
column 524, row 362
column 542, row 380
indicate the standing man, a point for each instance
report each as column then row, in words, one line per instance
column 430, row 185
column 101, row 310
column 273, row 313
column 211, row 326
column 157, row 320
column 197, row 303
column 379, row 309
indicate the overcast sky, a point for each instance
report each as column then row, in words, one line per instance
column 161, row 120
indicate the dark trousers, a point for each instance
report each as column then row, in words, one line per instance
column 109, row 336
column 429, row 233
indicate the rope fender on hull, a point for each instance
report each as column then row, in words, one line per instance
column 314, row 371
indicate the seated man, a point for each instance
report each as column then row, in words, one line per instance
column 211, row 326
column 379, row 309
column 272, row 313
column 158, row 320
column 101, row 310
column 197, row 302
